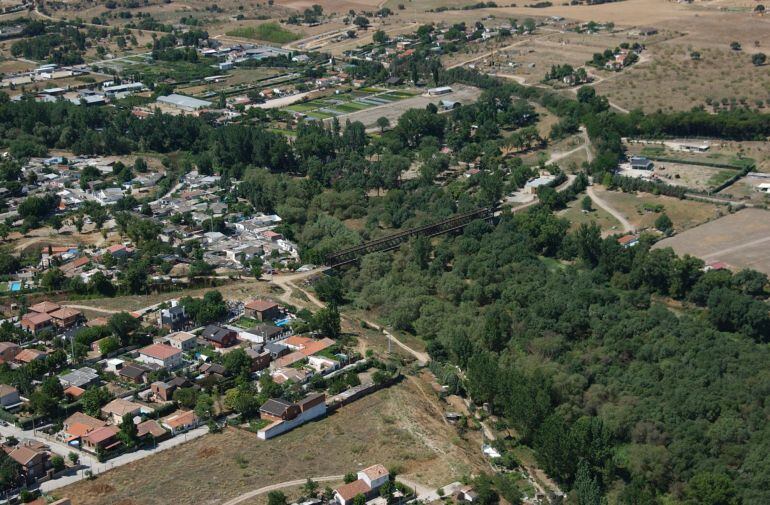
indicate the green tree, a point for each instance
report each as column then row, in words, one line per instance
column 276, row 498
column 709, row 488
column 664, row 224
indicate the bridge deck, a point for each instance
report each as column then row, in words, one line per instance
column 390, row 242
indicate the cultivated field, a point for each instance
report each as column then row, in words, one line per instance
column 639, row 209
column 401, row 427
column 741, row 240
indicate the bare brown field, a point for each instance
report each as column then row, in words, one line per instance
column 399, row 427
column 341, row 6
column 721, row 75
column 685, row 214
column 627, row 13
column 741, row 240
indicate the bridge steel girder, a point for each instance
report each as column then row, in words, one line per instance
column 390, row 242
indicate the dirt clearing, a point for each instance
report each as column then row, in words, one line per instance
column 742, row 240
column 399, row 427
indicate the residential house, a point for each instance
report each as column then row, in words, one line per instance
column 641, row 163
column 44, row 307
column 134, row 373
column 9, row 396
column 35, row 322
column 162, row 355
column 120, row 251
column 368, row 483
column 288, row 360
column 466, row 494
column 33, row 458
column 117, row 408
column 164, row 391
column 73, row 393
column 66, row 317
column 627, row 241
column 78, row 425
column 173, row 318
column 29, row 355
column 287, row 416
column 102, row 439
column 8, row 351
column 150, row 428
column 82, row 377
column 270, row 333
column 219, row 336
column 260, row 359
column 180, row 421
column 278, row 410
column 182, row 340
column 277, row 350
column 296, row 375
column 262, row 310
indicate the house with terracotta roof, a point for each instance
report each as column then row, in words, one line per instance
column 102, row 439
column 119, row 251
column 369, row 481
column 77, row 426
column 29, row 355
column 627, row 241
column 74, row 392
column 35, row 322
column 117, row 408
column 32, row 456
column 44, row 307
column 180, row 421
column 150, row 429
column 262, row 310
column 66, row 317
column 160, row 354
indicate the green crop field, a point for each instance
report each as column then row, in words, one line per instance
column 270, row 32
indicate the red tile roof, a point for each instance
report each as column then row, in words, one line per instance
column 160, row 351
column 355, row 488
column 100, row 435
column 260, row 305
column 44, row 307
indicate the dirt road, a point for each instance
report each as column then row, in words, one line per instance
column 627, row 227
column 280, row 485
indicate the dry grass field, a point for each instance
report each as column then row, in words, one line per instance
column 576, row 216
column 685, row 214
column 400, row 427
column 741, row 240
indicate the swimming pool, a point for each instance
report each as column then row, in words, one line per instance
column 14, row 285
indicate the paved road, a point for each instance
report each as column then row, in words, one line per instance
column 90, row 461
column 627, row 227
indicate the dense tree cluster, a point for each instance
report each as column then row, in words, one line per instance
column 584, row 358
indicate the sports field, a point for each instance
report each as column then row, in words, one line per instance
column 346, row 103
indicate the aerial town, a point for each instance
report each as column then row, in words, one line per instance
column 384, row 252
